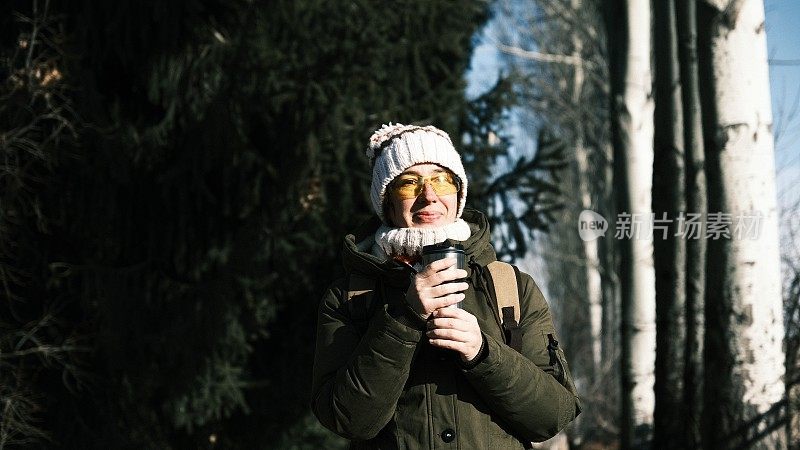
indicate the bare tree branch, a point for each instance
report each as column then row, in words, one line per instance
column 539, row 56
column 784, row 62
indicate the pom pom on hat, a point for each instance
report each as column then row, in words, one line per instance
column 393, row 148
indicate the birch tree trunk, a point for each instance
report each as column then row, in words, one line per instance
column 561, row 50
column 670, row 250
column 744, row 319
column 696, row 202
column 609, row 274
column 594, row 287
column 629, row 34
column 590, row 247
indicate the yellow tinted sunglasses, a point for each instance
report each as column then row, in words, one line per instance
column 410, row 185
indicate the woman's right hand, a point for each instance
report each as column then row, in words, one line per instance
column 430, row 290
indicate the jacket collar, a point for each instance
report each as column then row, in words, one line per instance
column 477, row 248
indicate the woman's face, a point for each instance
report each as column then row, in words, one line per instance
column 426, row 210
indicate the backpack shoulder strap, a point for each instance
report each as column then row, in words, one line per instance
column 504, row 278
column 360, row 292
column 506, row 288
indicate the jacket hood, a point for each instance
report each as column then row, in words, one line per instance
column 477, row 248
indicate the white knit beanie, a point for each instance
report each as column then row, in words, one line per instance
column 395, row 147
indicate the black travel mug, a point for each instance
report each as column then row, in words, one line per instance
column 431, row 253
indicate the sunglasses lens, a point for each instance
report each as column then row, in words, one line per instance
column 443, row 184
column 410, row 186
column 407, row 186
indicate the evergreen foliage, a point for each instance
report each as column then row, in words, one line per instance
column 40, row 341
column 176, row 181
column 520, row 195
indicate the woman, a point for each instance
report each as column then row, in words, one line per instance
column 411, row 370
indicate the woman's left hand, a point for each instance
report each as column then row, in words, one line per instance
column 455, row 329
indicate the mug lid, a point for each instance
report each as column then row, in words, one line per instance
column 442, row 247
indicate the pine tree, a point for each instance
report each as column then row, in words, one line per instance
column 194, row 218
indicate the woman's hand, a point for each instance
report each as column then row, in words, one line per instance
column 456, row 329
column 430, row 290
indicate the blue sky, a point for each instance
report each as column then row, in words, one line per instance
column 783, row 41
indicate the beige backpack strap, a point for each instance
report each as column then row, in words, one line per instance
column 359, row 285
column 505, row 286
column 504, row 279
column 360, row 290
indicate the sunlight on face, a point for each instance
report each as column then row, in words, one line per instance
column 428, row 209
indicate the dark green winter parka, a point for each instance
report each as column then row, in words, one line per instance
column 379, row 383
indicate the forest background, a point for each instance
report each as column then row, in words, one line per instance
column 177, row 178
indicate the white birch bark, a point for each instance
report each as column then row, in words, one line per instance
column 594, row 288
column 638, row 130
column 744, row 135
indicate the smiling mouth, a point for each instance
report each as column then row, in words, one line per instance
column 427, row 216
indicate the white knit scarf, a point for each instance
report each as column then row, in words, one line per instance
column 409, row 241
